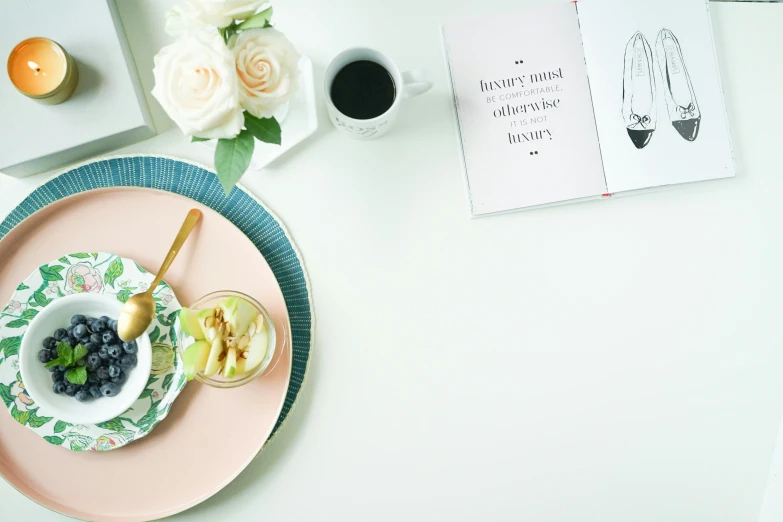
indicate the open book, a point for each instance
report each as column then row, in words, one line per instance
column 587, row 99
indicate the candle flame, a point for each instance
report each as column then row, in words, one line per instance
column 34, row 66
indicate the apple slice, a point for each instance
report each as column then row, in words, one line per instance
column 190, row 324
column 195, row 358
column 213, row 364
column 230, row 369
column 240, row 366
column 202, row 317
column 238, row 313
column 256, row 350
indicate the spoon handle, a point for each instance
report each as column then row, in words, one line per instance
column 187, row 227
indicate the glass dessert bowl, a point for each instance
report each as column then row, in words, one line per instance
column 227, row 339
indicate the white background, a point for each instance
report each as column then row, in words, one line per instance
column 609, row 361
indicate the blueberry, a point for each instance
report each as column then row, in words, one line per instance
column 114, row 371
column 110, row 389
column 49, row 343
column 70, row 390
column 80, row 332
column 106, row 381
column 128, row 362
column 95, row 391
column 120, row 379
column 60, row 334
column 99, row 326
column 103, row 352
column 57, row 376
column 92, row 377
column 78, row 319
column 103, row 373
column 69, row 330
column 62, row 368
column 130, row 347
column 53, row 354
column 73, row 341
column 105, row 319
column 93, row 361
column 115, row 352
column 114, row 324
column 109, row 337
column 43, row 356
column 96, row 338
column 52, row 368
column 91, row 348
column 59, row 387
column 83, row 395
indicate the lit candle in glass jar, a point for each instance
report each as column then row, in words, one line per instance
column 41, row 69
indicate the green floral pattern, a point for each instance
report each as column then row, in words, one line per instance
column 106, row 274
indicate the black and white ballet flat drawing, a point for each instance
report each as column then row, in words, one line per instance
column 639, row 109
column 678, row 89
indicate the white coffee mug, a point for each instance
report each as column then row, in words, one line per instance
column 406, row 85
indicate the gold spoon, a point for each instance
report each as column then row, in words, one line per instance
column 138, row 312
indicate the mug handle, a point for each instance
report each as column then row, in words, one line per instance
column 415, row 83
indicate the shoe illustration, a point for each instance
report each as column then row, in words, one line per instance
column 639, row 111
column 678, row 90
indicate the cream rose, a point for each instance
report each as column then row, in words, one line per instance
column 268, row 69
column 196, row 83
column 221, row 13
column 184, row 18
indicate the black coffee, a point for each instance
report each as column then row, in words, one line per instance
column 363, row 90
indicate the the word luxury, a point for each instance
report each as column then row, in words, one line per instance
column 524, row 137
column 519, row 81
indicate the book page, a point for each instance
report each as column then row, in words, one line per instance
column 524, row 112
column 656, row 92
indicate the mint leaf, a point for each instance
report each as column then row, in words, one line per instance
column 79, row 353
column 232, row 157
column 77, row 375
column 264, row 129
column 65, row 353
column 259, row 20
column 55, row 362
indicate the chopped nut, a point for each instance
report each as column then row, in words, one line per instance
column 251, row 330
column 221, row 356
column 209, row 322
column 243, row 355
column 243, row 342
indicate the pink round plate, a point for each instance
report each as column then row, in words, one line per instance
column 185, row 456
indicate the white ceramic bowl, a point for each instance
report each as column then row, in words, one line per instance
column 38, row 380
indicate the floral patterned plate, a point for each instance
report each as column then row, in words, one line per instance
column 104, row 274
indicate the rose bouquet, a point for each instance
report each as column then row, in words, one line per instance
column 225, row 77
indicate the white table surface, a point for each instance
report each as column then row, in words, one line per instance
column 607, row 361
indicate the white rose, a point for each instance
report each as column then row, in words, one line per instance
column 221, row 13
column 196, row 83
column 184, row 18
column 268, row 69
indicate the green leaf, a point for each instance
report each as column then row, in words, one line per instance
column 146, row 393
column 54, row 362
column 195, row 139
column 257, row 21
column 232, row 157
column 29, row 314
column 159, row 307
column 40, row 299
column 81, row 255
column 51, row 273
column 182, row 381
column 79, row 442
column 113, row 272
column 60, row 426
column 35, row 421
column 264, row 129
column 77, row 375
column 162, row 338
column 10, row 346
column 79, row 353
column 149, row 418
column 167, row 381
column 124, row 295
column 154, row 335
column 152, row 380
column 22, row 287
column 54, row 440
column 17, row 323
column 65, row 353
column 95, row 255
column 20, row 416
column 64, row 260
column 113, row 425
column 173, row 337
column 5, row 394
column 141, row 268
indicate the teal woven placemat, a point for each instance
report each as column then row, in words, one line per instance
column 193, row 181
